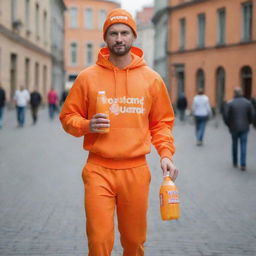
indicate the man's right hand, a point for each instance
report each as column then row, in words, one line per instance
column 99, row 121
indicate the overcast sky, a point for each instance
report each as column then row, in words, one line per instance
column 135, row 5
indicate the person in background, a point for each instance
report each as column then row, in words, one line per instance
column 21, row 98
column 118, row 177
column 2, row 104
column 63, row 97
column 253, row 100
column 35, row 101
column 201, row 111
column 52, row 102
column 182, row 106
column 238, row 116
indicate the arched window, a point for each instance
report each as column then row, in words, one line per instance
column 200, row 79
column 73, row 53
column 220, row 88
column 246, row 81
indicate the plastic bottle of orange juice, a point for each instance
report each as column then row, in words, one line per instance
column 103, row 108
column 169, row 199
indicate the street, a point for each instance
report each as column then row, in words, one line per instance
column 41, row 194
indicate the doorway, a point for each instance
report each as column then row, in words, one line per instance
column 246, row 81
column 220, row 89
column 13, row 74
column 180, row 75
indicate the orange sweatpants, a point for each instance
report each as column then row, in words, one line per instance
column 125, row 190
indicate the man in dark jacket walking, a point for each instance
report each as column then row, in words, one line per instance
column 2, row 104
column 238, row 116
column 253, row 100
column 35, row 101
column 182, row 106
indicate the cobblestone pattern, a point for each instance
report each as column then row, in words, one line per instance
column 41, row 194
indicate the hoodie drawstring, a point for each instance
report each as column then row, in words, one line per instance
column 115, row 84
column 126, row 83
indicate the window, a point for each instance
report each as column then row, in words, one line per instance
column 88, row 18
column 182, row 33
column 221, row 26
column 73, row 53
column 73, row 17
column 14, row 10
column 89, row 54
column 27, row 14
column 247, row 21
column 37, row 22
column 201, row 30
column 45, row 27
column 102, row 17
column 200, row 79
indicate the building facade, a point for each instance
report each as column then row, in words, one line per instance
column 57, row 8
column 84, row 20
column 25, row 46
column 146, row 32
column 212, row 45
column 160, row 20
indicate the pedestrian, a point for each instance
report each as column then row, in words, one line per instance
column 116, row 174
column 21, row 98
column 52, row 102
column 35, row 101
column 2, row 104
column 182, row 106
column 238, row 116
column 253, row 100
column 63, row 97
column 201, row 110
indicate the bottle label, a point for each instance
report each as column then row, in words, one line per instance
column 173, row 197
column 125, row 105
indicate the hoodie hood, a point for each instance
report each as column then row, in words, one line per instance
column 137, row 59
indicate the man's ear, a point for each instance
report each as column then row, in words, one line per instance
column 134, row 37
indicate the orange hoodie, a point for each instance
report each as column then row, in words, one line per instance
column 140, row 112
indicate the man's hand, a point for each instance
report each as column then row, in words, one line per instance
column 168, row 166
column 99, row 121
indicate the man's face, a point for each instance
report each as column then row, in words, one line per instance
column 119, row 39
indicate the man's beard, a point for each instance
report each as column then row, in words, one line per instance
column 119, row 51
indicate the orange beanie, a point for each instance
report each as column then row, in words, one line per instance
column 119, row 16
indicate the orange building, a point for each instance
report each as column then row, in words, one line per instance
column 212, row 44
column 83, row 33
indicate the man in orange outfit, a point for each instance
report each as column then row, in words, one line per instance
column 116, row 175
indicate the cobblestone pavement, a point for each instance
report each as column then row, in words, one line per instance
column 41, row 194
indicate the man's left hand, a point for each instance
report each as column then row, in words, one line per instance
column 168, row 166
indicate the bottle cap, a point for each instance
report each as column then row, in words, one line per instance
column 101, row 92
